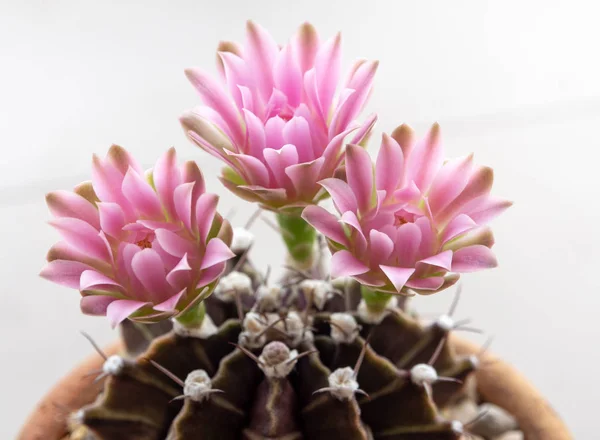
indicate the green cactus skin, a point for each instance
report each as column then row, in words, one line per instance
column 138, row 402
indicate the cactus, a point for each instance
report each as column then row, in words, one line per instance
column 297, row 361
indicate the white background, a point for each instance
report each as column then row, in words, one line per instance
column 518, row 83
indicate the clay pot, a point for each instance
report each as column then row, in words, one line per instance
column 498, row 383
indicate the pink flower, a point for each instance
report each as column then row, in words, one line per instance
column 411, row 222
column 144, row 246
column 280, row 115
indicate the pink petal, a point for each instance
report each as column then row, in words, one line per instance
column 486, row 209
column 326, row 223
column 211, row 136
column 274, row 132
column 457, row 226
column 343, row 264
column 112, row 219
column 120, row 158
column 236, row 74
column 119, row 310
column 107, row 180
column 288, row 77
column 279, row 160
column 297, row 133
column 304, row 177
column 327, row 70
column 429, row 283
column 64, row 272
column 363, row 130
column 361, row 82
column 70, row 204
column 482, row 235
column 426, row 159
column 408, row 239
column 359, row 173
column 429, row 243
column 333, row 153
column 170, row 304
column 167, row 176
column 211, row 274
column 214, row 96
column 473, row 258
column 449, row 182
column 182, row 198
column 82, row 236
column 180, row 275
column 389, row 167
column 342, row 195
column 192, row 174
column 141, row 195
column 149, row 268
column 306, row 44
column 92, row 280
column 251, row 168
column 398, row 276
column 256, row 138
column 216, row 252
column 276, row 104
column 381, row 247
column 260, row 52
column 95, row 305
column 312, row 96
column 206, row 207
column 174, row 244
column 442, row 260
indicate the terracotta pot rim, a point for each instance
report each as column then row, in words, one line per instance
column 497, row 381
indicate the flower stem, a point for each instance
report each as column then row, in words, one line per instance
column 193, row 317
column 299, row 238
column 376, row 301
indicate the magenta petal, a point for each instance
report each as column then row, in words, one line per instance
column 170, row 304
column 443, row 260
column 426, row 159
column 389, row 165
column 344, row 264
column 206, row 207
column 359, row 172
column 342, row 195
column 236, row 74
column 149, row 268
column 141, row 195
column 473, row 258
column 93, row 280
column 363, row 130
column 167, row 176
column 82, row 236
column 398, row 276
column 70, row 204
column 95, row 305
column 306, row 45
column 260, row 52
column 117, row 311
column 64, row 272
column 216, row 252
column 180, row 275
column 326, row 223
column 253, row 170
column 429, row 283
column 112, row 219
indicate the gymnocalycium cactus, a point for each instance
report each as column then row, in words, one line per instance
column 217, row 351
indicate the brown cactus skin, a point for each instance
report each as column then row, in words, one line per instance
column 138, row 402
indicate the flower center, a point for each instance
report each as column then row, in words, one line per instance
column 144, row 243
column 402, row 217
